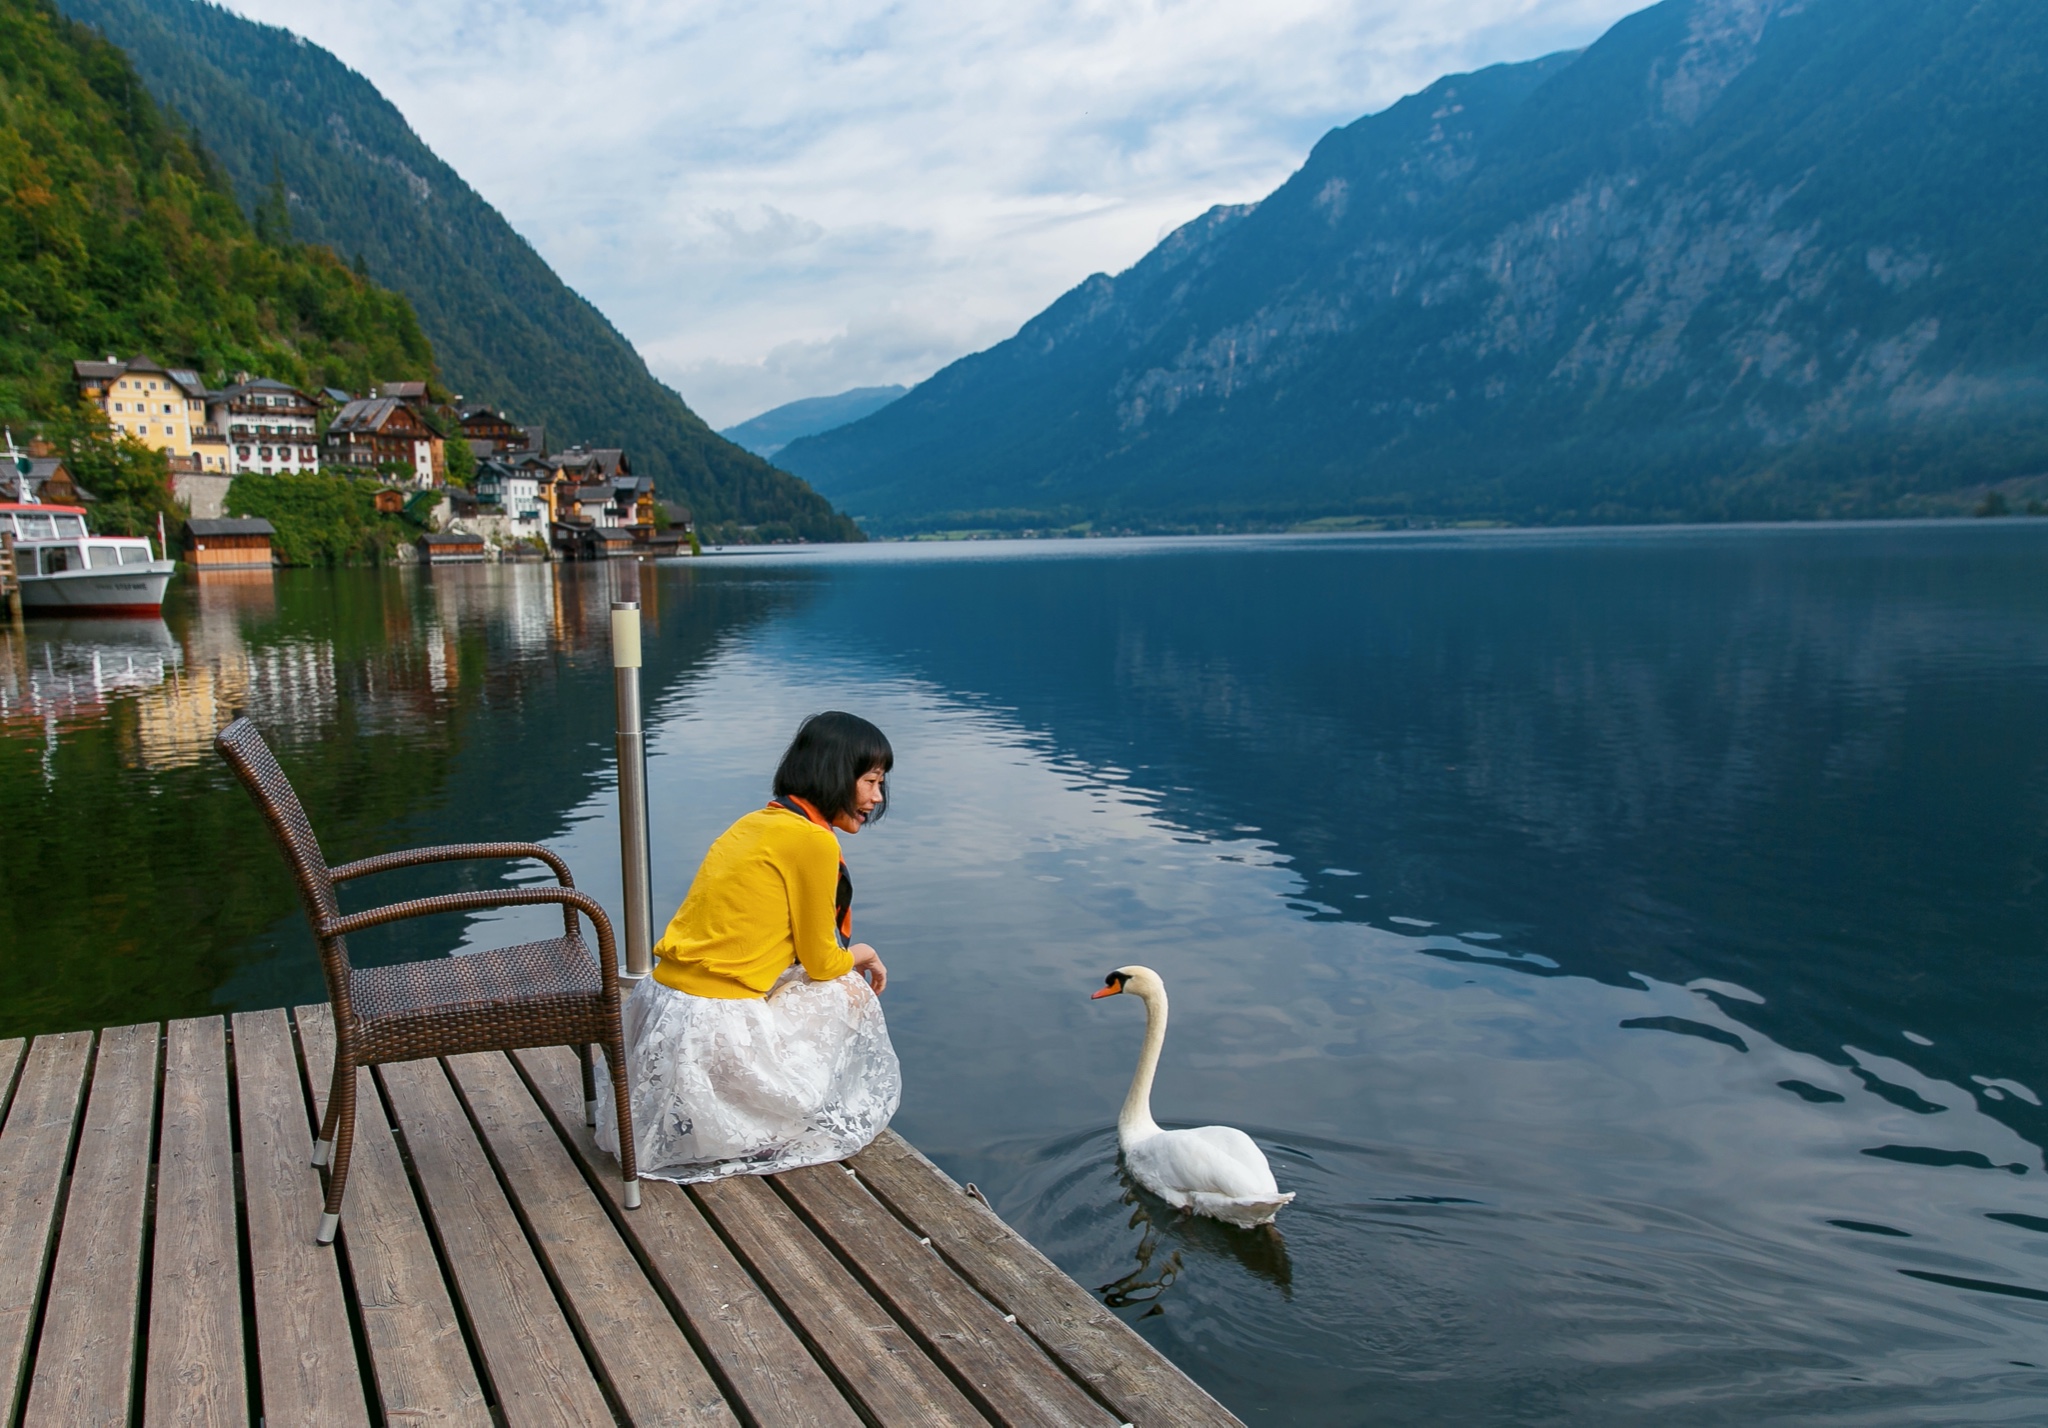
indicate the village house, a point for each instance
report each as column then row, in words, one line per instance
column 597, row 484
column 268, row 426
column 514, row 487
column 491, row 433
column 47, row 482
column 164, row 409
column 385, row 431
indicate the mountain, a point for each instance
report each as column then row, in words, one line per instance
column 119, row 235
column 507, row 331
column 777, row 427
column 1738, row 259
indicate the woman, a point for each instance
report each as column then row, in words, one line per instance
column 758, row 1044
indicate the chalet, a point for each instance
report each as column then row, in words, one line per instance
column 451, row 548
column 596, row 484
column 590, row 464
column 384, row 432
column 411, row 393
column 390, row 501
column 163, row 408
column 267, row 425
column 242, row 543
column 47, row 481
column 491, row 433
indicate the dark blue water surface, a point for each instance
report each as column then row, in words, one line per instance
column 1630, row 946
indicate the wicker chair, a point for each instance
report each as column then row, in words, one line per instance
column 551, row 993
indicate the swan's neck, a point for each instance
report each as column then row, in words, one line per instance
column 1135, row 1121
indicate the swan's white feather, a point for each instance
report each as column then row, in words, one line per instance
column 1217, row 1171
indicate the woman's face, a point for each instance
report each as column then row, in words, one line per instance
column 867, row 797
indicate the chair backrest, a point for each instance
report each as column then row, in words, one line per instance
column 246, row 753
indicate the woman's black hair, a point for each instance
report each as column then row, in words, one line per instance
column 826, row 759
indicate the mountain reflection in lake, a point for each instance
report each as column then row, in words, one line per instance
column 1631, row 946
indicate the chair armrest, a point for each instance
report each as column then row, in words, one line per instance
column 572, row 902
column 449, row 853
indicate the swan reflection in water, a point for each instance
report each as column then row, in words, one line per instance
column 1168, row 1232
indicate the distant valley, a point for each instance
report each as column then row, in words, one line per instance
column 777, row 427
column 1739, row 259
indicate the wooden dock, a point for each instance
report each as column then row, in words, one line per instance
column 157, row 1262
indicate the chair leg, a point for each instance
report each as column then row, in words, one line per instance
column 589, row 1084
column 342, row 1097
column 629, row 1163
column 324, row 1147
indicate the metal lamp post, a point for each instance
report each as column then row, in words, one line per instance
column 634, row 863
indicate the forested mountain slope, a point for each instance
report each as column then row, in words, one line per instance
column 1738, row 259
column 117, row 235
column 505, row 328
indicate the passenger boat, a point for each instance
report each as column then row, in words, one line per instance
column 63, row 569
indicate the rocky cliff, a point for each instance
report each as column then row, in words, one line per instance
column 1738, row 259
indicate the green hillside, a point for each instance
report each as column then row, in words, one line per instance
column 505, row 328
column 119, row 235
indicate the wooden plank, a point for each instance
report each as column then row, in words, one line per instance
column 417, row 1355
column 33, row 1150
column 305, row 1351
column 1002, row 1368
column 85, row 1358
column 12, row 1050
column 768, row 1368
column 538, row 1372
column 1126, row 1372
column 865, row 1348
column 650, row 1366
column 194, row 1371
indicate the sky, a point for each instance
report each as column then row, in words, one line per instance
column 785, row 201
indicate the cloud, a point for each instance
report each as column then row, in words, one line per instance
column 781, row 201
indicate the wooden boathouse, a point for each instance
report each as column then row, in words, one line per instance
column 157, row 1264
column 231, row 543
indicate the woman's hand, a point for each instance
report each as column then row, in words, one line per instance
column 868, row 963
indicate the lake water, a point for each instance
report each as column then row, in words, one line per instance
column 1630, row 946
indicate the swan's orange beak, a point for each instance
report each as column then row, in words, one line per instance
column 1105, row 992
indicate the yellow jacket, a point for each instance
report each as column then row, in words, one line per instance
column 761, row 900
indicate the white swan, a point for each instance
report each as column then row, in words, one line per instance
column 1217, row 1171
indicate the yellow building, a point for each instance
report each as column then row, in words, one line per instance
column 164, row 409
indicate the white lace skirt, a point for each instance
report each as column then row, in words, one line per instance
column 751, row 1086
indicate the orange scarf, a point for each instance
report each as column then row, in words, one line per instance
column 842, row 899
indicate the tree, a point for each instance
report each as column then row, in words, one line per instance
column 274, row 214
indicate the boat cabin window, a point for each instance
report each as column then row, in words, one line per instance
column 134, row 555
column 70, row 526
column 103, row 556
column 59, row 558
column 36, row 527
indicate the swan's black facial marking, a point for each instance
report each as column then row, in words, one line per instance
column 1116, row 980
